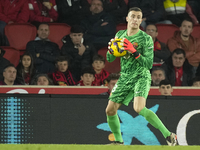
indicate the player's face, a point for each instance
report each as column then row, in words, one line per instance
column 96, row 6
column 98, row 65
column 87, row 79
column 26, row 61
column 42, row 81
column 43, row 31
column 62, row 66
column 178, row 60
column 76, row 38
column 134, row 19
column 157, row 76
column 165, row 90
column 111, row 84
column 151, row 30
column 186, row 28
column 10, row 74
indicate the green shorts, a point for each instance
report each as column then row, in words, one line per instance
column 128, row 87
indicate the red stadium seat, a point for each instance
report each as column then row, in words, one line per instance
column 19, row 34
column 11, row 54
column 166, row 31
column 57, row 32
column 196, row 31
column 89, row 1
column 121, row 26
column 126, row 1
column 113, row 67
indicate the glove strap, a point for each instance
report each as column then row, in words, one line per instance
column 136, row 55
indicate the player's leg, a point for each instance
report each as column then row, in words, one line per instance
column 150, row 116
column 141, row 92
column 113, row 119
column 120, row 95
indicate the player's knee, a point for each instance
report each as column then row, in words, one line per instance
column 137, row 109
column 110, row 112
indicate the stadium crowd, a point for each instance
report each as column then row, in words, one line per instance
column 77, row 61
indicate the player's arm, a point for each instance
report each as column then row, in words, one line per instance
column 110, row 57
column 146, row 59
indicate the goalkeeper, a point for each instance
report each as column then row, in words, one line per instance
column 135, row 79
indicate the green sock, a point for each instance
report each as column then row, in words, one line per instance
column 153, row 119
column 114, row 124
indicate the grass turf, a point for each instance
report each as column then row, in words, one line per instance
column 91, row 147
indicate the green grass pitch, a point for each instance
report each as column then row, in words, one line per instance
column 91, row 147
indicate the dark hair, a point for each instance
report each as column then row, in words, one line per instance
column 99, row 57
column 62, row 58
column 45, row 23
column 165, row 82
column 20, row 67
column 35, row 79
column 134, row 9
column 157, row 68
column 76, row 29
column 179, row 51
column 89, row 70
column 188, row 19
column 113, row 76
column 152, row 25
column 9, row 65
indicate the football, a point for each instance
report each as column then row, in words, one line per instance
column 116, row 48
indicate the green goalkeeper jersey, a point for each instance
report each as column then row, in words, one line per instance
column 143, row 43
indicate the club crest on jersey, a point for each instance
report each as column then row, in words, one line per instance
column 135, row 45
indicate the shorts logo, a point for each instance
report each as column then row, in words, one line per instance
column 138, row 92
column 114, row 88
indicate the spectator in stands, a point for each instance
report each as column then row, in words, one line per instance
column 12, row 11
column 72, row 11
column 157, row 74
column 25, row 69
column 3, row 62
column 178, row 10
column 110, row 82
column 63, row 76
column 195, row 5
column 153, row 11
column 100, row 74
column 41, row 79
column 87, row 77
column 165, row 88
column 79, row 51
column 9, row 75
column 44, row 51
column 161, row 52
column 42, row 11
column 196, row 81
column 99, row 27
column 117, row 8
column 184, row 40
column 177, row 69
